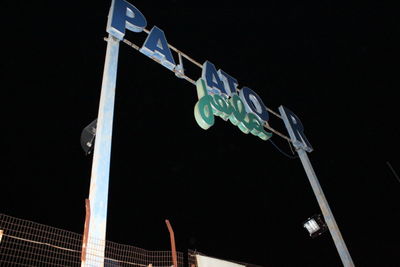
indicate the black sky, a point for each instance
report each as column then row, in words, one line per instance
column 227, row 194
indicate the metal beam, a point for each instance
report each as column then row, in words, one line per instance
column 98, row 195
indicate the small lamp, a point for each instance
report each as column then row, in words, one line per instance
column 315, row 225
column 87, row 137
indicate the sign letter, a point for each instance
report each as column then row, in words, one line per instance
column 156, row 47
column 123, row 16
column 210, row 75
column 230, row 83
column 295, row 129
column 253, row 103
column 203, row 111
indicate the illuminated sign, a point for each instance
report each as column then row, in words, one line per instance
column 217, row 91
column 232, row 109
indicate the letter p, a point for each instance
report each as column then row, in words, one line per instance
column 123, row 16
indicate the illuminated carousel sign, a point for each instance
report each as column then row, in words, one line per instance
column 217, row 91
column 218, row 95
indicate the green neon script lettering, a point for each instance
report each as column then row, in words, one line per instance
column 238, row 110
column 221, row 107
column 233, row 109
column 203, row 112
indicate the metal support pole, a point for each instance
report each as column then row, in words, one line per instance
column 326, row 211
column 98, row 195
column 173, row 247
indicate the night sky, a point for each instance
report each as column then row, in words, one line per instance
column 227, row 194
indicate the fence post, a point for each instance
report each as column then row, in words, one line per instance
column 173, row 248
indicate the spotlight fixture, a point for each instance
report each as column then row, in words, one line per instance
column 315, row 225
column 87, row 137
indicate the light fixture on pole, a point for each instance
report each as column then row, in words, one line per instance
column 315, row 225
column 87, row 137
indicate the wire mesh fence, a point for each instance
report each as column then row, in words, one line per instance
column 26, row 243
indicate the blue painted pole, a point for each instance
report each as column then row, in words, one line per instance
column 98, row 194
column 302, row 146
column 326, row 210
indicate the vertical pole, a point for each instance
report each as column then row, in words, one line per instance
column 85, row 231
column 98, row 194
column 173, row 247
column 326, row 211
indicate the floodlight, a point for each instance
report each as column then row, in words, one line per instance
column 87, row 137
column 315, row 225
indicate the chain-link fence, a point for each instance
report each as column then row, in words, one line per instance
column 26, row 243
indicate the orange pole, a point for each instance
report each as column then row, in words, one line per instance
column 85, row 232
column 173, row 248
